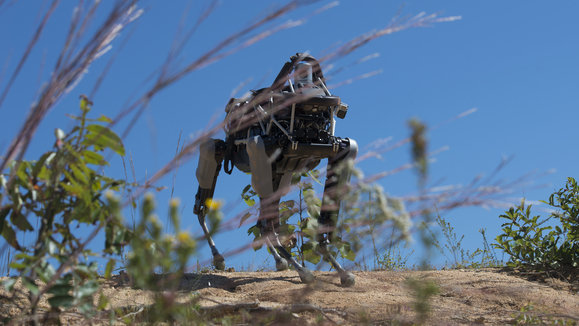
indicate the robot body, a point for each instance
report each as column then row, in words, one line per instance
column 284, row 129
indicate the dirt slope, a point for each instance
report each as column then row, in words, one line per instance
column 381, row 297
column 468, row 297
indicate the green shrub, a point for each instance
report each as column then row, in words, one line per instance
column 63, row 192
column 530, row 240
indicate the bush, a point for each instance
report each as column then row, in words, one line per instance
column 525, row 238
column 64, row 192
column 67, row 193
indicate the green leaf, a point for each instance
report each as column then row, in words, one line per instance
column 287, row 204
column 347, row 252
column 109, row 268
column 257, row 234
column 9, row 284
column 102, row 137
column 33, row 288
column 86, row 307
column 72, row 116
column 73, row 189
column 20, row 221
column 310, row 254
column 310, row 229
column 290, row 228
column 85, row 104
column 64, row 301
column 104, row 118
column 45, row 175
column 87, row 289
column 254, row 230
column 81, row 173
column 45, row 158
column 18, row 266
column 46, row 272
column 102, row 302
column 244, row 218
column 52, row 248
column 2, row 181
column 94, row 158
column 249, row 201
column 85, row 271
column 3, row 213
column 247, row 195
column 10, row 236
column 60, row 289
column 246, row 189
column 312, row 174
column 22, row 174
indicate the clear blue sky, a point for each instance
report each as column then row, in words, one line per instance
column 515, row 61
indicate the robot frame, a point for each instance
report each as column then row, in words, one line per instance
column 275, row 132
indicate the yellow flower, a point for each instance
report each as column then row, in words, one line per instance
column 183, row 237
column 213, row 204
column 175, row 202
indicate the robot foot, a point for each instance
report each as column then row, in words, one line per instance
column 281, row 265
column 306, row 276
column 347, row 279
column 219, row 262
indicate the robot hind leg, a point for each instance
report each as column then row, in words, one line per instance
column 337, row 178
column 211, row 154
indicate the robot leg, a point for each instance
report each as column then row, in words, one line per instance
column 337, row 178
column 211, row 155
column 262, row 180
column 268, row 217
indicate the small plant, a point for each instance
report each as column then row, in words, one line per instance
column 527, row 315
column 423, row 290
column 66, row 190
column 487, row 254
column 152, row 252
column 552, row 242
column 298, row 227
column 453, row 250
column 393, row 259
column 352, row 227
column 62, row 191
column 453, row 245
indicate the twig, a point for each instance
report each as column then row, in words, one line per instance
column 134, row 313
column 576, row 318
column 31, row 45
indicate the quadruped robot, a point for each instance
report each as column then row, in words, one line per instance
column 277, row 131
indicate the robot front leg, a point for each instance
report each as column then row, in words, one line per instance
column 269, row 191
column 269, row 221
column 211, row 155
column 268, row 225
column 335, row 187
